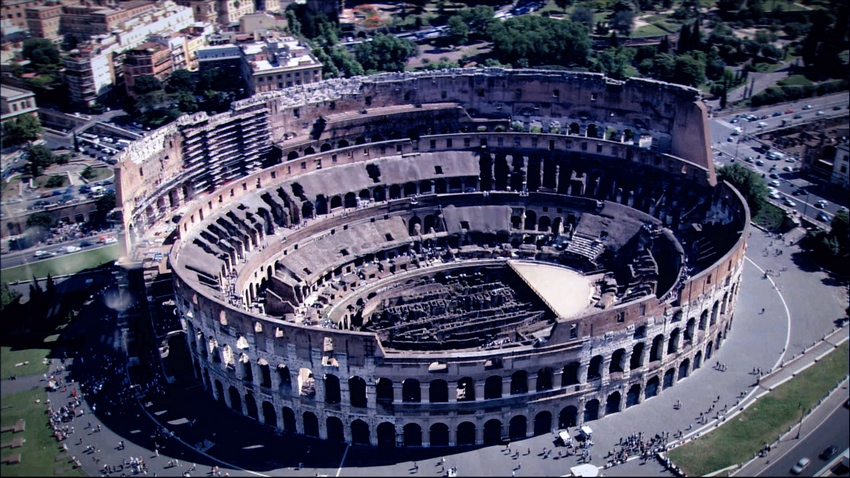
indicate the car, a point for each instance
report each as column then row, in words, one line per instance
column 774, row 183
column 71, row 249
column 836, row 108
column 788, row 202
column 776, row 114
column 749, row 159
column 41, row 253
column 802, row 464
column 787, row 169
column 820, row 113
column 823, row 217
column 734, row 120
column 759, row 163
column 821, row 204
column 774, row 195
column 791, row 160
column 807, row 107
column 788, row 112
column 730, row 139
column 798, row 116
column 773, row 175
column 85, row 243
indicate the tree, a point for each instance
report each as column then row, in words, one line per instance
column 146, row 84
column 690, row 69
column 181, row 80
column 747, row 182
column 8, row 296
column 583, row 15
column 385, row 53
column 564, row 4
column 615, row 61
column 55, row 182
column 39, row 157
column 186, row 101
column 24, row 129
column 458, row 31
column 623, row 21
column 42, row 219
column 535, row 41
column 40, row 52
column 479, row 20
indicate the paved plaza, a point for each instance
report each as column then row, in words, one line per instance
column 777, row 316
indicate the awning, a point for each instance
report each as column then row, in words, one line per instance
column 587, row 431
column 584, row 470
column 564, row 435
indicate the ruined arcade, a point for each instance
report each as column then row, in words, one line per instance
column 444, row 258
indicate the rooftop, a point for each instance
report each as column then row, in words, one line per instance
column 11, row 93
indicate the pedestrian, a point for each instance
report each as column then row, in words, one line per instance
column 156, row 452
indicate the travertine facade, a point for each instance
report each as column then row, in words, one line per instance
column 343, row 225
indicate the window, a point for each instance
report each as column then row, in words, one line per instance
column 556, row 94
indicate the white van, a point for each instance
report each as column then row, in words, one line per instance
column 762, row 124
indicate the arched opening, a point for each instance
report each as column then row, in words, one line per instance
column 652, row 387
column 493, row 387
column 612, row 404
column 342, row 144
column 440, row 186
column 350, row 200
column 365, row 195
column 568, row 417
column 715, row 310
column 684, row 369
column 698, row 360
column 519, row 383
column 438, row 391
column 336, row 202
column 492, row 432
column 411, row 391
column 455, row 185
column 633, row 395
column 235, row 400
column 288, row 420
column 466, row 434
column 570, row 374
column 636, row 360
column 332, row 389
column 292, row 155
column 440, row 434
column 357, row 390
column 657, row 349
column 265, row 373
column 285, row 378
column 309, row 150
column 384, row 390
column 251, row 406
column 574, row 128
column 708, row 349
column 219, row 391
column 269, row 415
column 359, row 432
column 412, row 435
column 386, row 435
column 307, row 210
column 530, row 220
column 703, row 318
column 311, row 424
column 395, row 191
column 591, row 410
column 669, row 378
column 517, row 427
column 325, row 147
column 542, row 423
column 544, row 224
column 336, row 430
column 466, row 390
column 689, row 329
column 544, row 379
column 592, row 131
column 409, row 189
column 414, row 226
column 594, row 370
column 673, row 342
column 425, row 186
column 618, row 359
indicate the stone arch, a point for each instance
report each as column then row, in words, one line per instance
column 636, row 360
column 309, row 150
column 335, row 429
column 336, row 202
column 652, row 387
column 357, row 392
column 684, row 369
column 633, row 395
column 429, row 223
column 412, row 224
column 412, row 434
column 251, row 406
column 440, row 186
column 544, row 224
column 568, row 417
column 492, row 432
column 359, row 432
column 618, row 361
column 519, row 382
column 425, row 186
column 591, row 410
column 669, row 377
column 612, row 403
column 530, row 220
column 325, row 147
column 306, row 209
column 517, row 427
column 269, row 415
column 284, row 377
column 409, row 189
column 235, row 399
column 455, row 185
column 715, row 310
column 219, row 391
column 288, row 420
column 466, row 390
column 690, row 328
column 594, row 370
column 311, row 424
column 466, row 434
column 698, row 359
column 575, row 128
column 384, row 390
column 656, row 352
column 493, row 387
column 292, row 155
column 592, row 131
column 570, row 374
column 703, row 318
column 439, row 435
column 438, row 391
column 708, row 349
column 365, row 195
column 544, row 379
column 718, row 340
column 342, row 144
column 411, row 392
column 386, row 435
column 543, row 423
column 395, row 191
column 350, row 200
column 333, row 392
column 673, row 341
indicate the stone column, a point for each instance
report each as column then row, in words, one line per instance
column 479, row 390
column 582, row 373
column 606, row 367
column 627, row 363
column 425, row 392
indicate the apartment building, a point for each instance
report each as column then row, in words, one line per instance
column 148, row 59
column 280, row 63
column 16, row 102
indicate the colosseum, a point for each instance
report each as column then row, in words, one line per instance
column 443, row 258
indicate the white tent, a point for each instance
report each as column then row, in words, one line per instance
column 584, row 470
column 586, row 431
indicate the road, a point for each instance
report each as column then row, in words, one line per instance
column 17, row 258
column 835, row 430
column 729, row 148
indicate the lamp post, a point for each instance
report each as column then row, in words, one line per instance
column 806, row 206
column 800, row 427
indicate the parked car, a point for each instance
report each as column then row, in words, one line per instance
column 749, row 159
column 821, row 204
column 787, row 169
column 829, row 452
column 807, row 107
column 759, row 163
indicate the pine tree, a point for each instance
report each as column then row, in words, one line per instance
column 684, row 39
column 664, row 45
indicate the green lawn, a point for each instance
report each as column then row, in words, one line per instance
column 40, row 449
column 41, row 181
column 797, row 80
column 648, row 31
column 769, row 216
column 9, row 356
column 61, row 265
column 737, row 440
column 100, row 174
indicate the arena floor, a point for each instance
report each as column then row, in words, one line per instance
column 566, row 291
